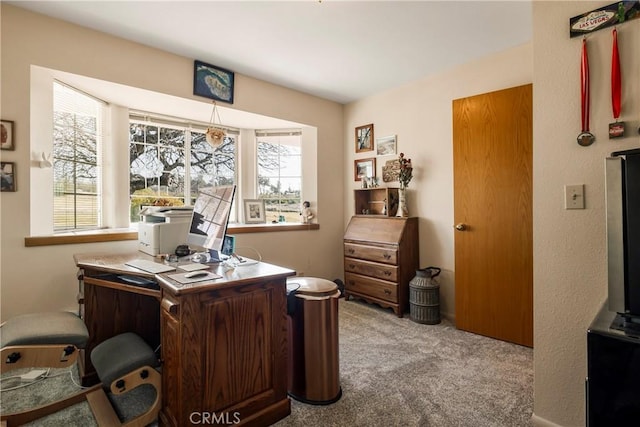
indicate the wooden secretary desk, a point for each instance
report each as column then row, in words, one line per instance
column 223, row 342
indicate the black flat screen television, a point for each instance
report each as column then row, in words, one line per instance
column 623, row 233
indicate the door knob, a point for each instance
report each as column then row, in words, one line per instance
column 461, row 227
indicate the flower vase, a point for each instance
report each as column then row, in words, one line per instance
column 402, row 212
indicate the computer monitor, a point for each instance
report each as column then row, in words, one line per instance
column 210, row 219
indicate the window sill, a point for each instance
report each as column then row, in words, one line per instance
column 96, row 236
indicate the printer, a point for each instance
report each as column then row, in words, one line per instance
column 162, row 228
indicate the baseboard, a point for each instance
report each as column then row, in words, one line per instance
column 542, row 422
column 450, row 317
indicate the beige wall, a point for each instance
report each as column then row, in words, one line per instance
column 569, row 257
column 420, row 115
column 570, row 246
column 43, row 278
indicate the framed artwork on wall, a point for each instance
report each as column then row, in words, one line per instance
column 213, row 82
column 6, row 129
column 364, row 168
column 386, row 145
column 391, row 170
column 364, row 138
column 7, row 176
column 254, row 212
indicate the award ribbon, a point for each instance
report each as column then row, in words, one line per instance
column 585, row 138
column 616, row 129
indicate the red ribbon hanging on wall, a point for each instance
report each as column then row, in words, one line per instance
column 585, row 138
column 584, row 85
column 616, row 78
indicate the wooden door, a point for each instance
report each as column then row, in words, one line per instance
column 492, row 154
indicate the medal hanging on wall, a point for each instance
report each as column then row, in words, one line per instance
column 616, row 129
column 585, row 138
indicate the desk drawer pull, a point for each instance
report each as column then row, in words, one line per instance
column 387, row 291
column 387, row 256
column 170, row 306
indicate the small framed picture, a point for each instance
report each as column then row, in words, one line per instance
column 391, row 170
column 386, row 145
column 364, row 168
column 6, row 127
column 364, row 138
column 7, row 176
column 212, row 82
column 254, row 212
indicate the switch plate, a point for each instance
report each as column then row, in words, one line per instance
column 574, row 196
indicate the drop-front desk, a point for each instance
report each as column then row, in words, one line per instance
column 223, row 342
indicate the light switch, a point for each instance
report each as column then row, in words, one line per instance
column 574, row 196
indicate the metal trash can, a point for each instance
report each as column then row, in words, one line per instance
column 314, row 371
column 424, row 296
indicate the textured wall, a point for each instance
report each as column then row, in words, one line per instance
column 569, row 245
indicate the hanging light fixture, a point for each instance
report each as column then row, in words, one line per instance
column 215, row 134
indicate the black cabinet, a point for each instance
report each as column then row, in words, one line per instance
column 613, row 373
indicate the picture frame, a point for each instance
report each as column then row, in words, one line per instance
column 213, row 82
column 391, row 170
column 7, row 135
column 386, row 145
column 7, row 176
column 254, row 212
column 364, row 138
column 364, row 168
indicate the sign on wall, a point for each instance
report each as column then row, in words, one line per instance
column 606, row 16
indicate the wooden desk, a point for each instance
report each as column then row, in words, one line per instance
column 111, row 306
column 224, row 341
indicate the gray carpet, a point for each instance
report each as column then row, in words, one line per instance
column 393, row 372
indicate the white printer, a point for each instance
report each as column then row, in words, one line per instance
column 162, row 228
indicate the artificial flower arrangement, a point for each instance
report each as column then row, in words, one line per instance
column 406, row 171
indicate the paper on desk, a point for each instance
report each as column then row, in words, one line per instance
column 186, row 280
column 193, row 267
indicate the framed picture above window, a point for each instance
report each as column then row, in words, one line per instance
column 7, row 176
column 6, row 127
column 213, row 82
column 254, row 212
column 364, row 168
column 364, row 138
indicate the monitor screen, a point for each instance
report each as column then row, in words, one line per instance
column 210, row 217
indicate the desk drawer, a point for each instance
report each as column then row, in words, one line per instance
column 369, row 286
column 374, row 269
column 388, row 255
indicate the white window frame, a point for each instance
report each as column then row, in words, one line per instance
column 188, row 126
column 276, row 133
column 115, row 156
column 100, row 107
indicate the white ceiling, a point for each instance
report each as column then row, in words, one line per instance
column 335, row 49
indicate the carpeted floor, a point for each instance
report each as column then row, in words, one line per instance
column 393, row 372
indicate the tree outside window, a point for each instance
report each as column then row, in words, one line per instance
column 280, row 175
column 159, row 156
column 77, row 120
